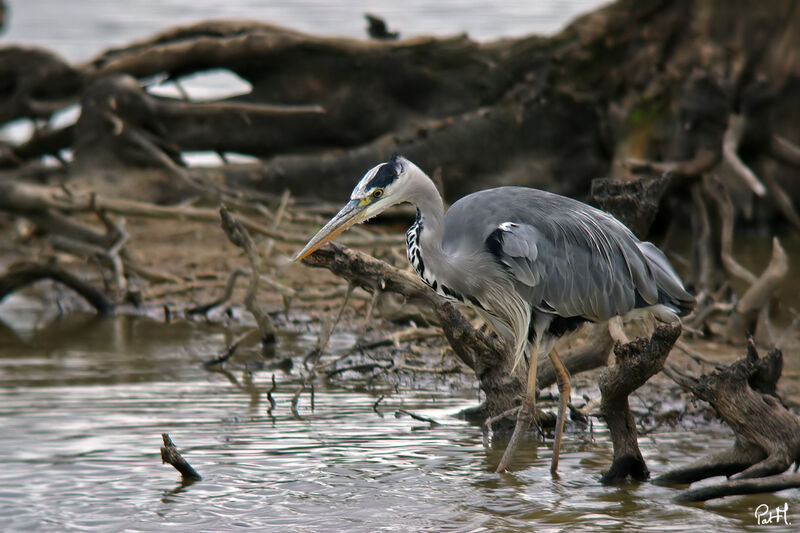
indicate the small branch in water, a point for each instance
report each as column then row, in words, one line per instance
column 171, row 455
column 227, row 353
column 203, row 309
column 363, row 368
column 271, row 398
column 430, row 421
column 376, row 404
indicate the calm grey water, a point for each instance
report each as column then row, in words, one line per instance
column 83, row 401
column 80, row 29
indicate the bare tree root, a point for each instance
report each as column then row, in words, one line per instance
column 730, row 147
column 24, row 274
column 26, row 199
column 744, row 315
column 703, row 161
column 741, row 486
column 767, row 438
column 203, row 309
column 702, row 255
column 238, row 235
column 636, row 362
column 714, row 188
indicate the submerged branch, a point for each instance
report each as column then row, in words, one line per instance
column 171, row 455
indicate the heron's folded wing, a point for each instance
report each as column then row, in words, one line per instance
column 574, row 265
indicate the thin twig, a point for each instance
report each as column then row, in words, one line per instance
column 430, row 421
column 203, row 309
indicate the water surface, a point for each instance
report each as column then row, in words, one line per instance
column 83, row 401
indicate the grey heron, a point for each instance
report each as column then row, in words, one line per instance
column 535, row 265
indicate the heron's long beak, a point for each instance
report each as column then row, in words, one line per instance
column 350, row 214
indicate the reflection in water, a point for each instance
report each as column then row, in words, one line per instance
column 84, row 401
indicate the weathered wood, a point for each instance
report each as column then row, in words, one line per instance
column 23, row 274
column 741, row 486
column 171, row 455
column 758, row 295
column 634, row 202
column 635, row 363
column 767, row 435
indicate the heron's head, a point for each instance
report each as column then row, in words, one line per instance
column 381, row 187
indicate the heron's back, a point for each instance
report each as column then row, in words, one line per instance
column 563, row 256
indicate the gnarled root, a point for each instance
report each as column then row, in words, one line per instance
column 767, row 434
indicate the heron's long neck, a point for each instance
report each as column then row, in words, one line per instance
column 431, row 211
column 424, row 241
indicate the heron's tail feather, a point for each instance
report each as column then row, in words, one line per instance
column 671, row 292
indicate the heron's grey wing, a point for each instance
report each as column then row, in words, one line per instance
column 579, row 263
column 668, row 281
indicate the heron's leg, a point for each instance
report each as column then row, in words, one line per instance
column 526, row 412
column 617, row 330
column 562, row 377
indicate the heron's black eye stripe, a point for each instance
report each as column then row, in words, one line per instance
column 377, row 193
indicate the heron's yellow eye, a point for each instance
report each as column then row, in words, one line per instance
column 377, row 193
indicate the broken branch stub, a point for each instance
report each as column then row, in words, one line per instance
column 636, row 362
column 171, row 455
column 239, row 236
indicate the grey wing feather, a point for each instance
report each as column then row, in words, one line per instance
column 669, row 283
column 564, row 257
column 582, row 264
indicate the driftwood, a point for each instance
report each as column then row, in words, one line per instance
column 239, row 236
column 486, row 355
column 635, row 363
column 767, row 435
column 758, row 295
column 23, row 274
column 37, row 200
column 171, row 455
column 633, row 202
